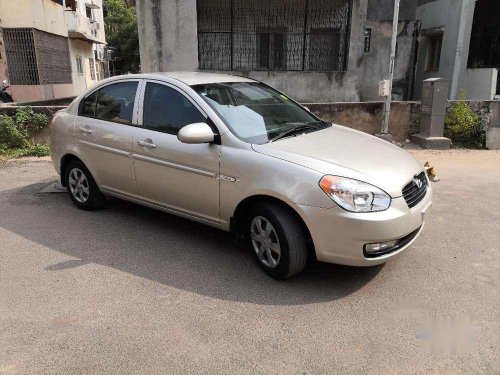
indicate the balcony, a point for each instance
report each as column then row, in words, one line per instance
column 81, row 27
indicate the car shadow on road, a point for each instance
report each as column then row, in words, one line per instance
column 165, row 249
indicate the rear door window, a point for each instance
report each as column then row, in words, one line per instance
column 88, row 105
column 115, row 102
column 111, row 103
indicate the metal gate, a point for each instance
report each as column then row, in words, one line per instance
column 292, row 35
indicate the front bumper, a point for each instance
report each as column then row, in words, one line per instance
column 339, row 236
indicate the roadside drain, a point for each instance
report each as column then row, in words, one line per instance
column 53, row 188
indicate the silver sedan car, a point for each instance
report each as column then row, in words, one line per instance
column 241, row 156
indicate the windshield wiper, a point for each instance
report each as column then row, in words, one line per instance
column 296, row 129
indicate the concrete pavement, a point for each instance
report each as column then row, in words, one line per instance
column 132, row 290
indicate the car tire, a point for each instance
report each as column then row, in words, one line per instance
column 82, row 187
column 280, row 245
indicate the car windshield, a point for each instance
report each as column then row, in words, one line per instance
column 256, row 113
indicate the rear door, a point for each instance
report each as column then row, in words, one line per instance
column 105, row 135
column 178, row 176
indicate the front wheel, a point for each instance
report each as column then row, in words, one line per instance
column 278, row 240
column 82, row 188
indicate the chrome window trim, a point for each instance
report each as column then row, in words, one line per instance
column 140, row 112
column 139, row 85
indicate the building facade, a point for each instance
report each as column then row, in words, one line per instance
column 51, row 48
column 376, row 59
column 315, row 50
column 460, row 41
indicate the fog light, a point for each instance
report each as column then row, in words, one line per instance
column 380, row 247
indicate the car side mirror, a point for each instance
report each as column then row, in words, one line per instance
column 306, row 108
column 196, row 133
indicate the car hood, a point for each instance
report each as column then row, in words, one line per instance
column 345, row 152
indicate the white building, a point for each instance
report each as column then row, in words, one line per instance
column 51, row 48
column 316, row 50
column 460, row 41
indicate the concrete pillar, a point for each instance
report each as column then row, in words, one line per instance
column 493, row 133
column 168, row 37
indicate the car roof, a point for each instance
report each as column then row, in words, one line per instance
column 195, row 78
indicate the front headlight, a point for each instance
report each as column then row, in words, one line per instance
column 355, row 196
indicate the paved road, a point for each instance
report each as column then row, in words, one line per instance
column 131, row 290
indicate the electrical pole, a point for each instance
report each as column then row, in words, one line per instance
column 387, row 106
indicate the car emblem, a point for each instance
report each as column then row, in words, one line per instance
column 227, row 178
column 418, row 182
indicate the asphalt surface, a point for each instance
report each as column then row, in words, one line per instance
column 131, row 290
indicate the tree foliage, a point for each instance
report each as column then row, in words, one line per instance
column 122, row 36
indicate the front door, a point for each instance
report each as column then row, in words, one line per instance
column 177, row 176
column 105, row 136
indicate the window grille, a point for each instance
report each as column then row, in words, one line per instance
column 52, row 53
column 71, row 4
column 79, row 65
column 484, row 51
column 435, row 43
column 21, row 56
column 293, row 35
column 36, row 58
column 92, row 69
column 368, row 40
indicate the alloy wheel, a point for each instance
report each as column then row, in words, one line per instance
column 265, row 242
column 79, row 185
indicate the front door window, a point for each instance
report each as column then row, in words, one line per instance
column 167, row 110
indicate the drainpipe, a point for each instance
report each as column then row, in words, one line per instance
column 387, row 106
column 458, row 53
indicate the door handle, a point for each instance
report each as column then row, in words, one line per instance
column 146, row 144
column 86, row 130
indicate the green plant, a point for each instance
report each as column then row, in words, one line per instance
column 17, row 133
column 463, row 124
column 415, row 119
column 10, row 136
column 29, row 123
column 39, row 149
column 3, row 148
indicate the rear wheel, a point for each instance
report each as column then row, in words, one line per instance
column 277, row 240
column 82, row 188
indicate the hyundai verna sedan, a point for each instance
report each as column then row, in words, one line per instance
column 241, row 156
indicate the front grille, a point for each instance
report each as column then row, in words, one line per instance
column 414, row 194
